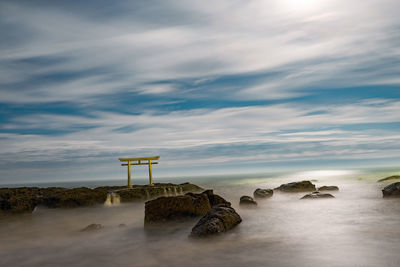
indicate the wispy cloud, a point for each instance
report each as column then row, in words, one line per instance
column 237, row 80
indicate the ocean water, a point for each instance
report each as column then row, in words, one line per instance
column 357, row 228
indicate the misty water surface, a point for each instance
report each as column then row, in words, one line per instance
column 357, row 228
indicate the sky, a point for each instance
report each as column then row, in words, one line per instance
column 212, row 87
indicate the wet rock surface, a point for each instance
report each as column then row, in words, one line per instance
column 164, row 209
column 317, row 195
column 247, row 201
column 217, row 220
column 263, row 193
column 303, row 186
column 392, row 190
column 25, row 199
column 178, row 208
column 328, row 188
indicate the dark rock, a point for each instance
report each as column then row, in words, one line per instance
column 248, row 201
column 303, row 186
column 25, row 199
column 165, row 209
column 218, row 220
column 216, row 199
column 122, row 225
column 328, row 188
column 19, row 200
column 392, row 190
column 263, row 193
column 393, row 177
column 188, row 187
column 72, row 198
column 92, row 227
column 317, row 195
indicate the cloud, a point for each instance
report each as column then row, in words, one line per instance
column 248, row 81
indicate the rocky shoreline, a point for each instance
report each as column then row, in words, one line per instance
column 26, row 199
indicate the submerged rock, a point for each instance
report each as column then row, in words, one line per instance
column 392, row 190
column 328, row 188
column 92, row 227
column 218, row 220
column 263, row 193
column 393, row 177
column 317, row 195
column 303, row 186
column 247, row 201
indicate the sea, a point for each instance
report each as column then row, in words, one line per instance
column 356, row 228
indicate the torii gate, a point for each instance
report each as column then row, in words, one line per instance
column 139, row 161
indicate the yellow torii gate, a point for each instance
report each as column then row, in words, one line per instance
column 139, row 161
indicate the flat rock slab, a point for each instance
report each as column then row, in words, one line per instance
column 392, row 190
column 303, row 186
column 25, row 199
column 317, row 195
column 263, row 193
column 218, row 220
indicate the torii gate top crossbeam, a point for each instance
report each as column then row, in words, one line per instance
column 144, row 158
column 139, row 162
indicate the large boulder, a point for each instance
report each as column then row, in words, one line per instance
column 165, row 209
column 303, row 186
column 392, row 190
column 218, row 220
column 328, row 188
column 247, row 201
column 263, row 193
column 317, row 195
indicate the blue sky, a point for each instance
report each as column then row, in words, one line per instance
column 224, row 87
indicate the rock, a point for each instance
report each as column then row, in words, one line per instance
column 218, row 220
column 92, row 227
column 165, row 209
column 188, row 187
column 263, row 193
column 328, row 188
column 247, row 201
column 72, row 198
column 316, row 195
column 25, row 199
column 392, row 190
column 19, row 200
column 393, row 177
column 122, row 225
column 215, row 199
column 303, row 186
